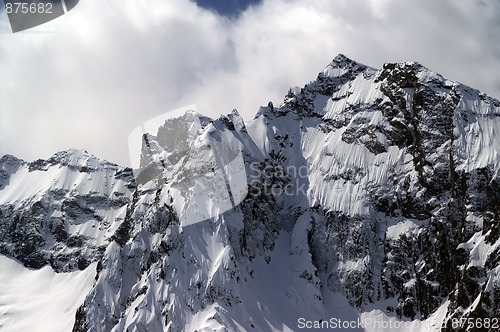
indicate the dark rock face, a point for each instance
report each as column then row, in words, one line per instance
column 385, row 182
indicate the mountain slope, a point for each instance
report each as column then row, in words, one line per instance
column 370, row 194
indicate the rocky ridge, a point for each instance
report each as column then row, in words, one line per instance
column 379, row 185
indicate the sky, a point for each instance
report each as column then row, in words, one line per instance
column 227, row 7
column 88, row 78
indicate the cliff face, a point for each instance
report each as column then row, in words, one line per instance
column 367, row 193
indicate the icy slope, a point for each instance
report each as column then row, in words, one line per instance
column 40, row 300
column 368, row 194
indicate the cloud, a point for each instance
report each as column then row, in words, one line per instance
column 87, row 79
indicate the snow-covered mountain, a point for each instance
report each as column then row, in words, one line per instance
column 369, row 197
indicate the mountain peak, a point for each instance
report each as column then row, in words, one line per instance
column 8, row 158
column 341, row 60
column 341, row 65
column 344, row 62
column 73, row 158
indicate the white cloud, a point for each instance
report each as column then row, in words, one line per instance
column 109, row 65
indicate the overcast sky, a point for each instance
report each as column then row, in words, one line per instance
column 88, row 78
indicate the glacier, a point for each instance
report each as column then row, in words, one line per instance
column 369, row 196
